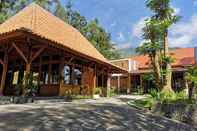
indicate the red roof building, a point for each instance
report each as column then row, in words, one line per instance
column 182, row 57
column 139, row 65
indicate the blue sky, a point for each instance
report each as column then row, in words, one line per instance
column 123, row 19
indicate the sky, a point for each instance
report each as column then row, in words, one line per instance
column 124, row 20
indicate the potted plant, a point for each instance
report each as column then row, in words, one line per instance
column 68, row 96
column 97, row 92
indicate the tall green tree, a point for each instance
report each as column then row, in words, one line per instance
column 152, row 48
column 100, row 39
column 6, row 7
column 166, row 17
column 11, row 7
column 156, row 32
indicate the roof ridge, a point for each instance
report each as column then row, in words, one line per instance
column 33, row 15
column 73, row 29
column 43, row 23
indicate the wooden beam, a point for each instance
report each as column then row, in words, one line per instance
column 61, row 69
column 5, row 68
column 20, row 52
column 38, row 53
column 10, row 49
column 71, row 59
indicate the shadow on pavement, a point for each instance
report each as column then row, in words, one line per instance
column 87, row 117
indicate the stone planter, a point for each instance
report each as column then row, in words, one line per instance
column 186, row 113
column 15, row 100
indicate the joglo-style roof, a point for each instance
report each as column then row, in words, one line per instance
column 40, row 22
column 181, row 57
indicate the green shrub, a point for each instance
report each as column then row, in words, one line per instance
column 143, row 103
column 175, row 96
column 155, row 94
column 112, row 92
column 181, row 95
column 97, row 91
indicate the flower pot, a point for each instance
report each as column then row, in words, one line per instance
column 96, row 96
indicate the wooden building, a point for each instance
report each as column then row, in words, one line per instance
column 56, row 54
column 139, row 66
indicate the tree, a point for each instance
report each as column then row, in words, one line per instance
column 152, row 48
column 165, row 15
column 191, row 78
column 60, row 11
column 156, row 33
column 100, row 39
column 45, row 3
column 5, row 9
column 11, row 7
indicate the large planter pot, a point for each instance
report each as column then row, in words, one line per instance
column 96, row 96
column 68, row 98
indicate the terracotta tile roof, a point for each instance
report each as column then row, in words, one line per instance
column 181, row 56
column 42, row 23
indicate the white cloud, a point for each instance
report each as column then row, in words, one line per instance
column 180, row 41
column 182, row 34
column 123, row 45
column 120, row 37
column 176, row 10
column 195, row 2
column 137, row 28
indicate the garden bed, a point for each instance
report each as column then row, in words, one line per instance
column 181, row 110
column 15, row 100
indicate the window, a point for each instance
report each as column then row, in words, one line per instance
column 45, row 74
column 55, row 74
column 67, row 74
column 77, row 76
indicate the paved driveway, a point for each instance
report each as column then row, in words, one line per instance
column 104, row 114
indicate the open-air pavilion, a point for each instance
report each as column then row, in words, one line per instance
column 34, row 41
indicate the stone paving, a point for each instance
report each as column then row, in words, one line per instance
column 105, row 114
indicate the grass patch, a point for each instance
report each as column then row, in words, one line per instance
column 142, row 103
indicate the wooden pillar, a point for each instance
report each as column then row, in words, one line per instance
column 129, row 84
column 28, row 59
column 102, row 78
column 27, row 73
column 94, row 80
column 141, row 83
column 118, row 84
column 5, row 68
column 40, row 70
column 108, row 84
column 61, row 75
